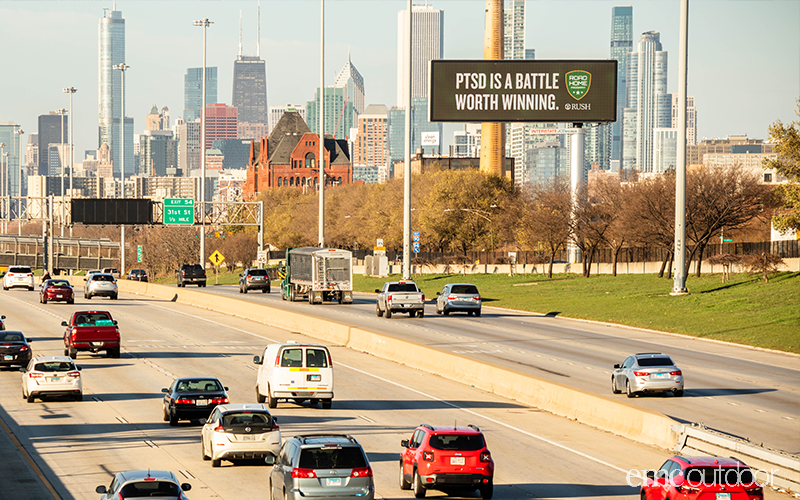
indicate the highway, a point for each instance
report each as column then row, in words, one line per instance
column 118, row 426
column 738, row 390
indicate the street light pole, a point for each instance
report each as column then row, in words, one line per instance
column 5, row 155
column 205, row 23
column 70, row 91
column 62, row 111
column 122, row 67
column 2, row 168
column 19, row 132
column 321, row 124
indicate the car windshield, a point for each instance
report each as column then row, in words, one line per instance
column 11, row 337
column 57, row 283
column 459, row 442
column 730, row 476
column 199, row 385
column 103, row 277
column 149, row 489
column 656, row 361
column 403, row 287
column 292, row 358
column 93, row 319
column 316, row 358
column 19, row 270
column 54, row 366
column 332, row 457
column 465, row 289
column 257, row 272
column 246, row 419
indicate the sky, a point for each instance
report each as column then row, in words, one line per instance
column 744, row 55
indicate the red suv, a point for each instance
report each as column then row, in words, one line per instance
column 696, row 478
column 447, row 459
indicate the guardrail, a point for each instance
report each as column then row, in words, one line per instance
column 783, row 468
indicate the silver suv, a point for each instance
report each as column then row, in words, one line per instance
column 144, row 483
column 100, row 285
column 321, row 465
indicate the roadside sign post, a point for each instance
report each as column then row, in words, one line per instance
column 216, row 258
column 262, row 257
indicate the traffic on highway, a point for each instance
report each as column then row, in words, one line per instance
column 209, row 405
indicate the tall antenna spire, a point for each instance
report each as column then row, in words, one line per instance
column 240, row 34
column 115, row 5
column 258, row 32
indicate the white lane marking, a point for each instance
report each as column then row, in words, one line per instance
column 187, row 474
column 251, row 367
column 122, row 420
column 708, row 397
column 789, row 418
column 760, row 411
column 366, row 418
column 97, row 399
column 733, row 404
column 150, row 443
column 515, row 429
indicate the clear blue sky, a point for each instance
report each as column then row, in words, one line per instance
column 744, row 55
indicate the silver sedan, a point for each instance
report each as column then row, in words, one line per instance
column 647, row 372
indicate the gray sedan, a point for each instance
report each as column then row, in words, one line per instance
column 458, row 297
column 647, row 372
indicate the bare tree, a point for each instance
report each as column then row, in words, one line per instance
column 725, row 260
column 545, row 219
column 650, row 217
column 763, row 263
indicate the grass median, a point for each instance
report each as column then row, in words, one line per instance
column 745, row 310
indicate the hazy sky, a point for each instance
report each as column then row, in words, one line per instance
column 744, row 55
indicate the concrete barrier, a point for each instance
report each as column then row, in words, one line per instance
column 606, row 413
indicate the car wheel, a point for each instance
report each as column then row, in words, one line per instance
column 30, row 288
column 88, row 296
column 437, row 310
column 244, row 290
column 419, row 490
column 469, row 313
column 173, row 419
column 446, row 312
column 326, row 404
column 614, row 386
column 113, row 353
column 265, row 290
column 240, row 289
column 71, row 301
column 66, row 351
column 486, row 490
column 31, row 398
column 404, row 483
column 114, row 297
column 478, row 313
column 203, row 449
column 43, row 300
column 388, row 313
column 79, row 397
column 628, row 389
column 165, row 414
column 412, row 314
column 271, row 401
column 678, row 393
column 73, row 353
column 217, row 462
column 378, row 310
column 421, row 313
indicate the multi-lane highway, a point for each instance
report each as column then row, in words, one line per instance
column 737, row 390
column 118, row 426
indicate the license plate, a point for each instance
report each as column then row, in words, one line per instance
column 8, row 357
column 201, row 402
column 723, row 496
column 457, row 461
column 333, row 481
column 661, row 375
column 55, row 379
column 314, row 378
column 97, row 344
column 248, row 438
column 59, row 296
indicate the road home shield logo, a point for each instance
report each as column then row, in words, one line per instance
column 578, row 83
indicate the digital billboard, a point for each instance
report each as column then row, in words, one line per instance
column 572, row 91
column 112, row 211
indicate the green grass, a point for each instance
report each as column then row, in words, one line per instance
column 744, row 310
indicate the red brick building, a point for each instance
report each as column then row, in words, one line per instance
column 288, row 158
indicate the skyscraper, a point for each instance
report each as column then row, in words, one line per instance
column 50, row 132
column 646, row 105
column 514, row 48
column 275, row 113
column 221, row 123
column 353, row 84
column 691, row 118
column 112, row 52
column 10, row 136
column 371, row 149
column 193, row 91
column 339, row 112
column 427, row 44
column 621, row 44
column 250, row 82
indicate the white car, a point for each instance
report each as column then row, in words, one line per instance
column 51, row 376
column 240, row 431
column 18, row 276
column 295, row 371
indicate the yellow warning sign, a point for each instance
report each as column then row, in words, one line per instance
column 216, row 258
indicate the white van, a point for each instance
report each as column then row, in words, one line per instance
column 295, row 371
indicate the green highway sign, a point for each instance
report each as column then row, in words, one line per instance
column 139, row 253
column 728, row 240
column 179, row 211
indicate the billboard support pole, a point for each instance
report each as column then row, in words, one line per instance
column 575, row 180
column 679, row 284
column 407, row 162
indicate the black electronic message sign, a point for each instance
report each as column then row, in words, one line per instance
column 112, row 211
column 573, row 91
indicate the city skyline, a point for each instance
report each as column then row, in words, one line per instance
column 741, row 86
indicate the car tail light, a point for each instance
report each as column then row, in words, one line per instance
column 24, row 348
column 361, row 472
column 677, row 372
column 74, row 374
column 28, row 275
column 451, row 297
column 388, row 298
column 755, row 490
column 423, row 297
column 184, row 401
column 486, row 456
column 36, row 375
column 641, row 374
column 427, row 456
column 477, row 298
column 303, row 473
column 219, row 428
column 330, row 361
column 220, row 401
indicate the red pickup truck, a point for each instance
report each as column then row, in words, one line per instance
column 92, row 331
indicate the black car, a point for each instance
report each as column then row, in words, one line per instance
column 14, row 348
column 191, row 398
column 254, row 279
column 137, row 275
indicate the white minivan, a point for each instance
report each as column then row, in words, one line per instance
column 295, row 371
